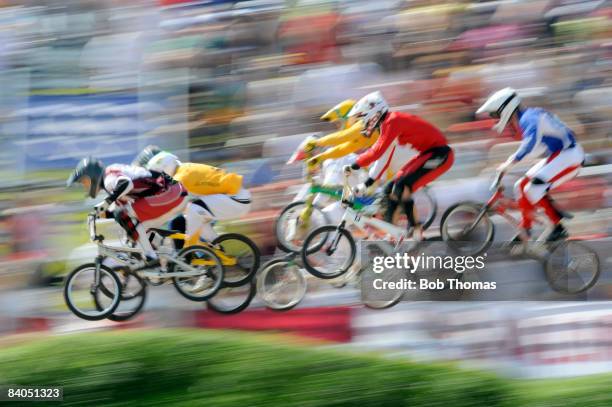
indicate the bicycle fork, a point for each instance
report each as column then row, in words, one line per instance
column 335, row 239
column 469, row 229
column 97, row 276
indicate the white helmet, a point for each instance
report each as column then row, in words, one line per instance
column 164, row 162
column 370, row 109
column 501, row 105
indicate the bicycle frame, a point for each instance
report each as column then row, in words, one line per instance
column 195, row 240
column 500, row 204
column 354, row 216
column 123, row 256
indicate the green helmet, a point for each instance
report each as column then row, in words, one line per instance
column 88, row 167
column 145, row 155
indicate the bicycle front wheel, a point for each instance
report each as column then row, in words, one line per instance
column 466, row 230
column 240, row 257
column 329, row 252
column 290, row 229
column 203, row 286
column 281, row 284
column 572, row 267
column 80, row 289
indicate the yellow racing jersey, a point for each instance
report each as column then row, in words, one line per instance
column 202, row 179
column 345, row 142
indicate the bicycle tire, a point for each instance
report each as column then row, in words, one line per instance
column 256, row 258
column 75, row 310
column 262, row 290
column 327, row 229
column 453, row 244
column 215, row 306
column 140, row 299
column 128, row 275
column 218, row 281
column 281, row 241
column 550, row 271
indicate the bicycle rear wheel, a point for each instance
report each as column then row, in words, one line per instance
column 464, row 231
column 572, row 267
column 329, row 252
column 426, row 206
column 244, row 252
column 232, row 300
column 203, row 286
column 289, row 229
column 281, row 284
column 133, row 296
column 79, row 289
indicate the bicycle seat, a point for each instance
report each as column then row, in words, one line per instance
column 164, row 232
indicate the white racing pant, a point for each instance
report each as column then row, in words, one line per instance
column 142, row 227
column 549, row 173
column 204, row 209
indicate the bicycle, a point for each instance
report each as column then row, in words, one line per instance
column 468, row 229
column 240, row 258
column 196, row 272
column 300, row 218
column 233, row 296
column 331, row 239
column 239, row 255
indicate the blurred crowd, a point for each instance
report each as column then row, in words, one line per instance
column 229, row 83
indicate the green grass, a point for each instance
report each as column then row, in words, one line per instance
column 226, row 368
column 221, row 368
column 589, row 391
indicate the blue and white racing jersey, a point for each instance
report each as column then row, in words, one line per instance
column 543, row 134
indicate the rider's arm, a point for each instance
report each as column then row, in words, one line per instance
column 381, row 165
column 528, row 144
column 359, row 143
column 377, row 150
column 118, row 187
column 341, row 136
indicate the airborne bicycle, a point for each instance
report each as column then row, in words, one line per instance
column 301, row 217
column 571, row 266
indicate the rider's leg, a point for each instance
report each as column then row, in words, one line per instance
column 391, row 212
column 218, row 207
column 556, row 170
column 420, row 171
column 198, row 221
column 154, row 211
column 525, row 206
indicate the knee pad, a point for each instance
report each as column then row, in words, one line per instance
column 125, row 221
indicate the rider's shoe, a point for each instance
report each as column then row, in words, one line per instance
column 526, row 233
column 558, row 233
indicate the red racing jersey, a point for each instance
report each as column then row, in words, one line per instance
column 397, row 130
